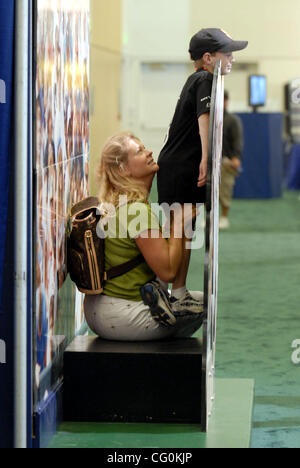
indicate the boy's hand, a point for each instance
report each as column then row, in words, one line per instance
column 202, row 173
column 204, row 133
column 236, row 164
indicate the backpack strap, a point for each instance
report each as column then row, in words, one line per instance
column 124, row 268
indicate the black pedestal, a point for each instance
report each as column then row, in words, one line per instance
column 133, row 382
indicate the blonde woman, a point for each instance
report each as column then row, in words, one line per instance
column 134, row 306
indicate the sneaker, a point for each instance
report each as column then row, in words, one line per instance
column 187, row 305
column 224, row 223
column 159, row 304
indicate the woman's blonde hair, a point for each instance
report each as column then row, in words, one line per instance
column 112, row 178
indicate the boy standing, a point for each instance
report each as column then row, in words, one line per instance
column 183, row 159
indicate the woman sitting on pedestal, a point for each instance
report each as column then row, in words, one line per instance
column 136, row 306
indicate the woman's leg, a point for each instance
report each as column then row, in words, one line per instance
column 120, row 320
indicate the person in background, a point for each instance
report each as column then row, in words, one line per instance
column 231, row 164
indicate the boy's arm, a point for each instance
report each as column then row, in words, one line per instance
column 204, row 135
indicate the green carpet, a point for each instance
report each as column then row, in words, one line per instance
column 259, row 313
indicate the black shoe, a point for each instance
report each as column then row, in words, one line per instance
column 159, row 303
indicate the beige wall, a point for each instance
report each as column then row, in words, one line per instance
column 105, row 78
column 271, row 26
column 272, row 29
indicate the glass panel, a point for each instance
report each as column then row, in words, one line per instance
column 212, row 244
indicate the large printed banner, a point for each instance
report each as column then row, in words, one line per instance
column 61, row 167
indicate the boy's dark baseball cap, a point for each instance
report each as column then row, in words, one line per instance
column 213, row 40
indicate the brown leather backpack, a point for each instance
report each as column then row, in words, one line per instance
column 86, row 250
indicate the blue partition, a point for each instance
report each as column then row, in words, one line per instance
column 6, row 225
column 293, row 181
column 262, row 175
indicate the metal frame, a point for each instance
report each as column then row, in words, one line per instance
column 22, row 256
column 212, row 245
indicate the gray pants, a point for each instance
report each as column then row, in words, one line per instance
column 120, row 320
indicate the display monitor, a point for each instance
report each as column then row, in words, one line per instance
column 257, row 91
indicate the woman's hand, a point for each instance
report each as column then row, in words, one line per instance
column 164, row 256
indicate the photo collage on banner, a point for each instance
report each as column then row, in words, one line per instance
column 61, row 146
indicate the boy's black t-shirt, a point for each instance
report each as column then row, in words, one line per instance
column 181, row 155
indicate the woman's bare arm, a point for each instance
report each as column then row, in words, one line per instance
column 163, row 256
